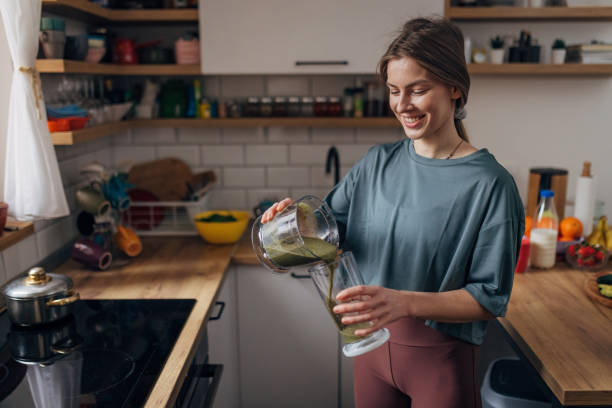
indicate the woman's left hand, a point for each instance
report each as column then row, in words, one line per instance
column 379, row 305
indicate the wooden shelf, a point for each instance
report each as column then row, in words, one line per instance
column 96, row 132
column 86, row 11
column 60, row 66
column 540, row 69
column 9, row 238
column 529, row 13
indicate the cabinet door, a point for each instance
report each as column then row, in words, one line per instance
column 223, row 344
column 288, row 343
column 271, row 36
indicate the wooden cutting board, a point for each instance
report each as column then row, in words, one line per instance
column 166, row 178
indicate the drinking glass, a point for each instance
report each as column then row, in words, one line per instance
column 330, row 279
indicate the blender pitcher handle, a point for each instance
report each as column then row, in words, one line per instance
column 296, row 276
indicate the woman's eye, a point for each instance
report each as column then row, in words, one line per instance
column 394, row 92
column 419, row 91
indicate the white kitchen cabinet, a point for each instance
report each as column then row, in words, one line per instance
column 288, row 348
column 271, row 36
column 223, row 344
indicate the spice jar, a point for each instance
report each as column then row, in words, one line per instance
column 321, row 106
column 265, row 107
column 280, row 107
column 334, row 106
column 294, row 106
column 252, row 107
column 348, row 102
column 307, row 108
column 234, row 109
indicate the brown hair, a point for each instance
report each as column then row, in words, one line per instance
column 437, row 45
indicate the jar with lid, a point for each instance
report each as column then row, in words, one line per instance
column 252, row 107
column 234, row 109
column 307, row 108
column 280, row 107
column 544, row 233
column 294, row 106
column 321, row 106
column 334, row 106
column 348, row 103
column 265, row 107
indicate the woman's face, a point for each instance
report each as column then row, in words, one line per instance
column 423, row 105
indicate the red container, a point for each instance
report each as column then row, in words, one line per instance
column 521, row 265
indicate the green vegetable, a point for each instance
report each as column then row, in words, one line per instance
column 605, row 290
column 217, row 218
column 605, row 279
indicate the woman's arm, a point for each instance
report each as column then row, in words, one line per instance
column 383, row 306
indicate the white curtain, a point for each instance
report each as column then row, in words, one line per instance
column 32, row 184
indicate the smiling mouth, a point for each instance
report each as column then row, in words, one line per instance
column 412, row 119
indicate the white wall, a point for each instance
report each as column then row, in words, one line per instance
column 6, row 71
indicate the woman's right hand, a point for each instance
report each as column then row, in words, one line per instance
column 276, row 208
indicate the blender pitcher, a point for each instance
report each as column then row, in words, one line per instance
column 332, row 278
column 303, row 233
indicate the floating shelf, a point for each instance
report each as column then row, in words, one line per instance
column 540, row 69
column 96, row 132
column 60, row 66
column 529, row 13
column 8, row 238
column 84, row 10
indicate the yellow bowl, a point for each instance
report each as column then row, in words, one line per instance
column 222, row 232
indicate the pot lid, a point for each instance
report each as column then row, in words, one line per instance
column 37, row 284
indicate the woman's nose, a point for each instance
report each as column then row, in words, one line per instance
column 404, row 103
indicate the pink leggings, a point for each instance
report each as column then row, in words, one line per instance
column 419, row 367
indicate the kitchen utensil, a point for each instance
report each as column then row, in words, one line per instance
column 330, row 279
column 119, row 110
column 165, row 178
column 143, row 218
column 301, row 234
column 590, row 286
column 92, row 201
column 547, row 179
column 39, row 298
column 222, row 232
column 115, row 190
column 44, row 344
column 128, row 241
column 91, row 254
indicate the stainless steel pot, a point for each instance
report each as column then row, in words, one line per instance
column 39, row 298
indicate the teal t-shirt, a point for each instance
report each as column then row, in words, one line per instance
column 433, row 225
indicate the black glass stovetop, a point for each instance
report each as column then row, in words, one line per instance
column 107, row 353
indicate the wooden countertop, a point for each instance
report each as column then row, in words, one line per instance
column 184, row 268
column 565, row 335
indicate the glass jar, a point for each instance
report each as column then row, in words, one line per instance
column 334, row 106
column 294, row 106
column 321, row 106
column 252, row 107
column 234, row 109
column 348, row 102
column 265, row 107
column 307, row 108
column 280, row 107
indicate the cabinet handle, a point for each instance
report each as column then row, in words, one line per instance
column 220, row 312
column 338, row 62
column 296, row 276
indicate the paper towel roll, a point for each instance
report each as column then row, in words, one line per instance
column 585, row 203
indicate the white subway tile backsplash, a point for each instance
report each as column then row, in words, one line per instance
column 54, row 237
column 241, row 86
column 105, row 156
column 379, row 135
column 19, row 257
column 318, row 178
column 266, row 154
column 69, row 170
column 290, row 135
column 156, row 135
column 254, row 197
column 296, row 193
column 242, row 135
column 244, row 177
column 331, row 136
column 212, row 87
column 308, row 154
column 350, row 154
column 133, row 154
column 331, row 85
column 189, row 154
column 288, row 177
column 287, row 85
column 199, row 135
column 222, row 155
column 223, row 199
column 122, row 138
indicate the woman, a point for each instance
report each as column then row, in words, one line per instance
column 435, row 226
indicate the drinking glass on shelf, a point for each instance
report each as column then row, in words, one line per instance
column 330, row 279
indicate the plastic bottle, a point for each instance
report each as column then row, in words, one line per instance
column 544, row 236
column 585, row 199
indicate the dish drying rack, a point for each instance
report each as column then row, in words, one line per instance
column 168, row 218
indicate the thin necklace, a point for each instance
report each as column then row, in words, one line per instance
column 454, row 150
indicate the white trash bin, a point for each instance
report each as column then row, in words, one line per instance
column 507, row 384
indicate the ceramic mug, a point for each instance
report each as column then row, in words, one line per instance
column 91, row 254
column 115, row 191
column 128, row 241
column 92, row 201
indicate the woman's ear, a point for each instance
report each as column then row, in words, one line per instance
column 455, row 93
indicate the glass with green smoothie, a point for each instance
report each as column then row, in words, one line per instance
column 303, row 233
column 330, row 278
